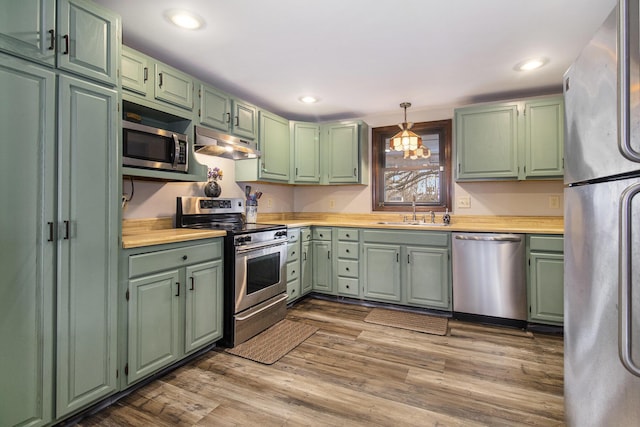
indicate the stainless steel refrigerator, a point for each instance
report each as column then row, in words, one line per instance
column 602, row 226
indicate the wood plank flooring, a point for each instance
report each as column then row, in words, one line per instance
column 355, row 373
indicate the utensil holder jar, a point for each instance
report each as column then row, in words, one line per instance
column 251, row 212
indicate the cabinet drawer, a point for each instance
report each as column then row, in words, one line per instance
column 173, row 258
column 348, row 286
column 293, row 289
column 293, row 252
column 293, row 271
column 348, row 268
column 321, row 233
column 348, row 234
column 546, row 243
column 293, row 234
column 305, row 234
column 348, row 250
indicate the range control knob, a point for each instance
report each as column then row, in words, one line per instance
column 281, row 233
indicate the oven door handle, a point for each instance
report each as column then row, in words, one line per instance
column 266, row 307
column 265, row 245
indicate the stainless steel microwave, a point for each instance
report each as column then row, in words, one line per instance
column 153, row 148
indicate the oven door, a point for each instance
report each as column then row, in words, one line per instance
column 260, row 274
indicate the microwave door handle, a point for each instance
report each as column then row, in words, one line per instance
column 175, row 155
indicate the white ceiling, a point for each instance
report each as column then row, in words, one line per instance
column 364, row 57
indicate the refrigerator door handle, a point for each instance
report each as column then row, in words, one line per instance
column 625, row 312
column 624, row 83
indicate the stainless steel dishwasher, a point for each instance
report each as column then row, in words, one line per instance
column 489, row 275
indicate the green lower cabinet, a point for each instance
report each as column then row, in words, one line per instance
column 306, row 268
column 174, row 304
column 321, row 266
column 381, row 272
column 428, row 278
column 203, row 319
column 154, row 305
column 545, row 279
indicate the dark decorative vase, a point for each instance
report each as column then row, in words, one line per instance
column 212, row 189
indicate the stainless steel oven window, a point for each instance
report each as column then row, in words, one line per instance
column 263, row 267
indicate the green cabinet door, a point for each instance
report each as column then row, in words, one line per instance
column 544, row 138
column 546, row 293
column 203, row 315
column 88, row 246
column 27, row 29
column 487, row 142
column 153, row 325
column 274, row 144
column 306, row 152
column 321, row 265
column 215, row 108
column 342, row 158
column 173, row 86
column 306, row 268
column 135, row 71
column 245, row 119
column 27, row 174
column 88, row 40
column 381, row 272
column 428, row 279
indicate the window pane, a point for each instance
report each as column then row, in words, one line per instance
column 405, row 178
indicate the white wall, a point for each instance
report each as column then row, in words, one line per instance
column 157, row 199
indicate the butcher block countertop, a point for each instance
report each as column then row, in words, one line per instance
column 155, row 231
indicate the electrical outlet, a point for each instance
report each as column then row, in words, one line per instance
column 269, row 202
column 332, row 204
column 554, row 202
column 464, row 202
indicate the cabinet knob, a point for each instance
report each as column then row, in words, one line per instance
column 184, row 257
column 348, row 235
column 347, row 251
column 347, row 286
column 347, row 268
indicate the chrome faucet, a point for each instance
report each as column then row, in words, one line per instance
column 413, row 206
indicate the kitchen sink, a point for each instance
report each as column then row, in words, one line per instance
column 414, row 223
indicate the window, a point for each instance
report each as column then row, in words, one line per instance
column 397, row 180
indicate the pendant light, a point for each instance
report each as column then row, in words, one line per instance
column 407, row 141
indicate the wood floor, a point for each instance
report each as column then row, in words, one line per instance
column 355, row 373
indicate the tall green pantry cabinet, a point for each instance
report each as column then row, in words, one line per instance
column 59, row 220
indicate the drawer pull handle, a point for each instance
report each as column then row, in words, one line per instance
column 52, row 44
column 178, row 291
column 193, row 283
column 50, row 224
column 237, row 121
column 184, row 257
column 146, row 74
column 160, row 80
column 66, row 230
column 228, row 117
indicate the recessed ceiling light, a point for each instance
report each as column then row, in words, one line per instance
column 184, row 19
column 530, row 64
column 308, row 99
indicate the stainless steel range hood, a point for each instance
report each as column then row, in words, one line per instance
column 214, row 143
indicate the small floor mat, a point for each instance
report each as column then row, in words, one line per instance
column 407, row 320
column 271, row 345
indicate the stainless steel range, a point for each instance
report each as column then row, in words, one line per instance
column 255, row 282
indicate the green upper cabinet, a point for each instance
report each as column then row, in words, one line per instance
column 88, row 40
column 305, row 142
column 545, row 279
column 274, row 144
column 244, row 123
column 173, row 86
column 510, row 141
column 85, row 40
column 87, row 245
column 215, row 108
column 27, row 227
column 487, row 142
column 135, row 71
column 155, row 85
column 27, row 29
column 544, row 138
column 342, row 155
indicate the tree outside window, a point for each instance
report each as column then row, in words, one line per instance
column 398, row 179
